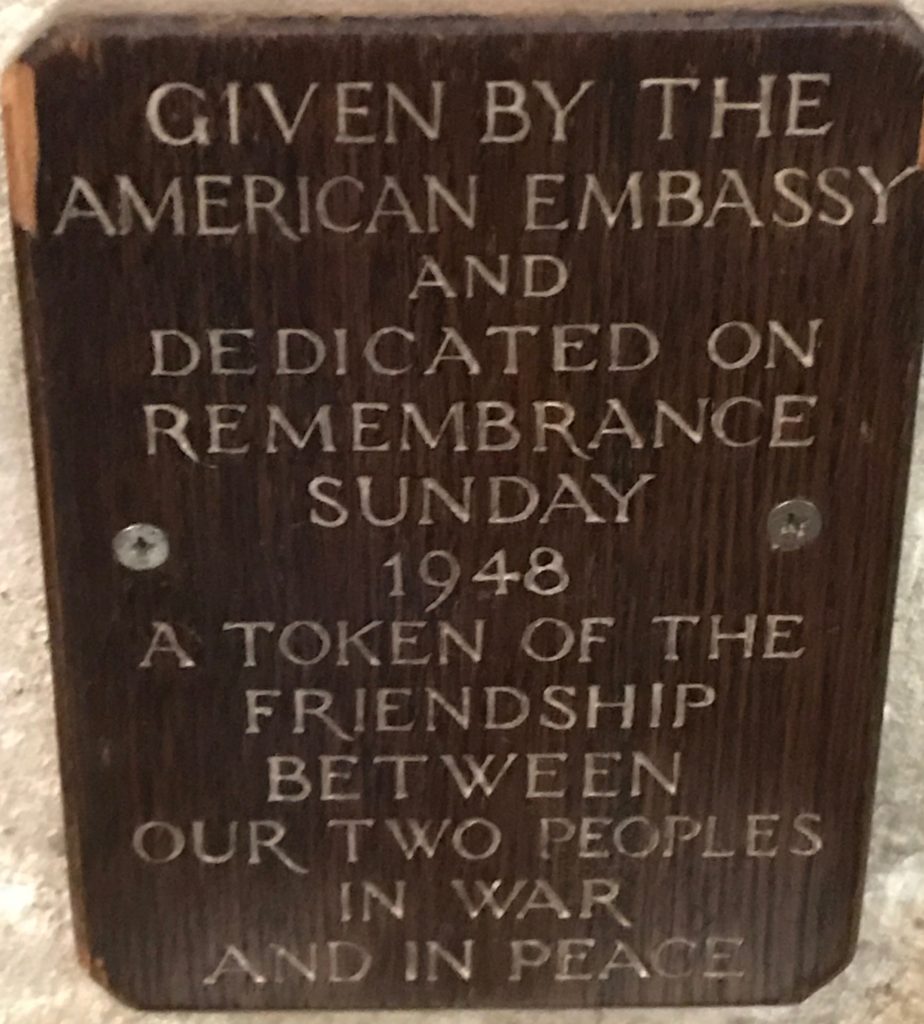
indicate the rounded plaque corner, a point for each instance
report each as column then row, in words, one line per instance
column 57, row 34
column 95, row 967
column 49, row 40
column 826, row 974
column 905, row 32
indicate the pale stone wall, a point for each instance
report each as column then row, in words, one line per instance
column 40, row 981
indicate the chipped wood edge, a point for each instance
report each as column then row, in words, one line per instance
column 20, row 129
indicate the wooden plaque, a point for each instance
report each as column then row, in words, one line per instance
column 472, row 456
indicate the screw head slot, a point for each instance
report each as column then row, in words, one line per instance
column 793, row 524
column 141, row 546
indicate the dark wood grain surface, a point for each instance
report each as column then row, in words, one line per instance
column 762, row 919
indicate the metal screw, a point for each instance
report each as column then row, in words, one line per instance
column 141, row 546
column 793, row 524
